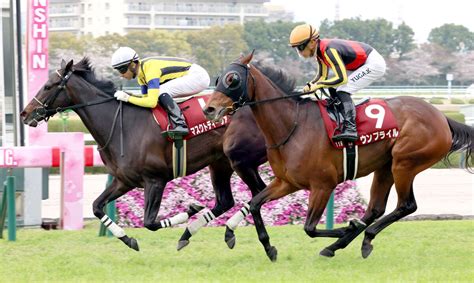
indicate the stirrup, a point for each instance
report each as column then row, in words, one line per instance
column 349, row 137
column 173, row 133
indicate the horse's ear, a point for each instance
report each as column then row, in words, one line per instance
column 246, row 59
column 68, row 66
column 63, row 64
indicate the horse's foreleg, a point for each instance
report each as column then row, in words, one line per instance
column 255, row 183
column 379, row 192
column 275, row 190
column 220, row 176
column 232, row 224
column 115, row 190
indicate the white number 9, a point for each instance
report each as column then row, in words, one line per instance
column 379, row 114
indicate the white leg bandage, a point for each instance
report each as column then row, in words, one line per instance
column 202, row 220
column 175, row 220
column 234, row 221
column 114, row 228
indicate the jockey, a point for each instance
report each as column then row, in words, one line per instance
column 355, row 66
column 161, row 79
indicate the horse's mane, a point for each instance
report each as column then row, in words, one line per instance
column 84, row 70
column 277, row 75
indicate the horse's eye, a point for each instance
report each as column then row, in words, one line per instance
column 234, row 81
column 47, row 87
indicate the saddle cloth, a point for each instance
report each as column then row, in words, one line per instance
column 192, row 110
column 375, row 122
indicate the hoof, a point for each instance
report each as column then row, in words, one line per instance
column 133, row 244
column 326, row 252
column 182, row 244
column 272, row 253
column 366, row 250
column 230, row 242
column 229, row 237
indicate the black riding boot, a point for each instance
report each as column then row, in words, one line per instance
column 175, row 115
column 349, row 131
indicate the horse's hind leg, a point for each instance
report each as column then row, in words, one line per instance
column 153, row 195
column 255, row 183
column 220, row 175
column 379, row 192
column 405, row 206
column 115, row 190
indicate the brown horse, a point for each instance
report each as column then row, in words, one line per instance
column 147, row 155
column 301, row 155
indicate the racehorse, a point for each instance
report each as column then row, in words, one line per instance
column 146, row 160
column 301, row 155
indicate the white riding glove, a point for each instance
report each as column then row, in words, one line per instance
column 122, row 95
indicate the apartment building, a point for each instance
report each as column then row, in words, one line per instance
column 99, row 18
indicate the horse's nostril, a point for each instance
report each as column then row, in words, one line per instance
column 209, row 110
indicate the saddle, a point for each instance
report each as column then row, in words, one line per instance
column 195, row 119
column 197, row 124
column 374, row 120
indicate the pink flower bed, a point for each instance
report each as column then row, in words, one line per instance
column 197, row 188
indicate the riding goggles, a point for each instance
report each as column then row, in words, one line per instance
column 302, row 46
column 122, row 69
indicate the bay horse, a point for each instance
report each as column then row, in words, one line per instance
column 301, row 155
column 147, row 155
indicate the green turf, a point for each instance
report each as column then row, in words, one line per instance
column 424, row 251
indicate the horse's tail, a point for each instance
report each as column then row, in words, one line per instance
column 463, row 140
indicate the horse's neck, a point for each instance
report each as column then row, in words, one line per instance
column 99, row 118
column 276, row 119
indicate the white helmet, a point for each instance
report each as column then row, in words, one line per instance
column 123, row 56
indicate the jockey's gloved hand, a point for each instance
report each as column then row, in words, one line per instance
column 311, row 87
column 122, row 95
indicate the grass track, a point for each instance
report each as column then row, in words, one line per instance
column 426, row 251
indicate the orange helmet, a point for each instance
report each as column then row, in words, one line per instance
column 302, row 34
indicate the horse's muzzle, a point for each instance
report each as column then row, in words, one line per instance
column 30, row 119
column 214, row 114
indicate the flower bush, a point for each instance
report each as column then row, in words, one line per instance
column 197, row 188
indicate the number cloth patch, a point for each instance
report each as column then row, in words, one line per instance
column 192, row 110
column 375, row 122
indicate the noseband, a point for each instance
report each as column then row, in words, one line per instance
column 43, row 111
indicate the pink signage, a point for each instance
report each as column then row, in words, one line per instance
column 72, row 144
column 37, row 55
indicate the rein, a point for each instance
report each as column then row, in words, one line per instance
column 46, row 113
column 242, row 100
column 117, row 112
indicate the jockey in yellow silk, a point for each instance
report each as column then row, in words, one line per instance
column 161, row 79
column 355, row 65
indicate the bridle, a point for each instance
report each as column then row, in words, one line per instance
column 237, row 90
column 44, row 113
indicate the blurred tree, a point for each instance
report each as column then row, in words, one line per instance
column 216, row 47
column 158, row 42
column 464, row 68
column 378, row 33
column 107, row 44
column 270, row 37
column 452, row 37
column 415, row 70
column 69, row 41
column 403, row 40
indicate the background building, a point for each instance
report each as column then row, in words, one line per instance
column 98, row 18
